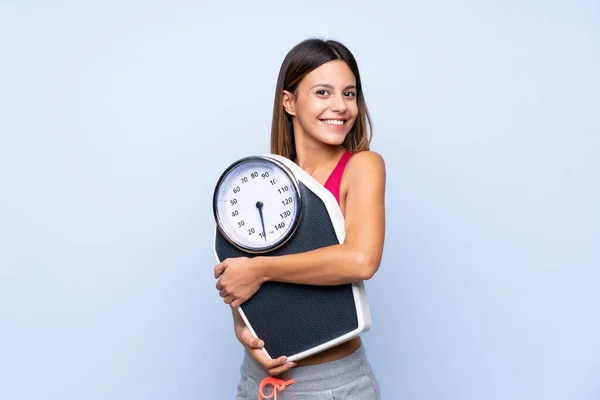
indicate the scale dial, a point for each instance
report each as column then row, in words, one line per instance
column 257, row 204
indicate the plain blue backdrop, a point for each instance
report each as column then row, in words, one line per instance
column 116, row 119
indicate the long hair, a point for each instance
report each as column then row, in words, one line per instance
column 301, row 60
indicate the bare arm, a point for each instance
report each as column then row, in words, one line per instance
column 359, row 256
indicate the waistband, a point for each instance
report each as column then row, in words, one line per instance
column 316, row 377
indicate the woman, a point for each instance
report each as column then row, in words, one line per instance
column 321, row 122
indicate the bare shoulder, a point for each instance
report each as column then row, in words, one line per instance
column 363, row 182
column 366, row 163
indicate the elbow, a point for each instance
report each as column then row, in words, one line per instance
column 366, row 266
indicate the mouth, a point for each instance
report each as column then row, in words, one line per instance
column 335, row 123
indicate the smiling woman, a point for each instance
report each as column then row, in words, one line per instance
column 321, row 122
column 324, row 77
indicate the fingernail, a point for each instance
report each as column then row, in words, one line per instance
column 261, row 343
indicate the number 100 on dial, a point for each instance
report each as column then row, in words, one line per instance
column 257, row 204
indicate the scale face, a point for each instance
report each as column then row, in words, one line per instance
column 266, row 205
column 257, row 204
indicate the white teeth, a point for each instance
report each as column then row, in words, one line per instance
column 333, row 122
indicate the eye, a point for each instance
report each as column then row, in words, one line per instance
column 349, row 94
column 322, row 92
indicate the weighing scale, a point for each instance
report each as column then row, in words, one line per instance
column 266, row 205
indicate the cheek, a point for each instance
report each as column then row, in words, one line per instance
column 353, row 110
column 316, row 107
column 304, row 107
column 311, row 112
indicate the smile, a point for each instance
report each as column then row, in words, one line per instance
column 335, row 122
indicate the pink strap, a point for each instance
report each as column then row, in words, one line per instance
column 334, row 180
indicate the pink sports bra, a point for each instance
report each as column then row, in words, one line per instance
column 334, row 180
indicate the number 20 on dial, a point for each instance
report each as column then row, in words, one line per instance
column 257, row 204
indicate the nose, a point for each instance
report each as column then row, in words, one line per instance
column 338, row 103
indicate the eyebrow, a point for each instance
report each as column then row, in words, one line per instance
column 331, row 87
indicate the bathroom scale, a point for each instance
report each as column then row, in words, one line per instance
column 266, row 205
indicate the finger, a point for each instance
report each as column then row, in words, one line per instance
column 237, row 302
column 219, row 268
column 219, row 285
column 282, row 369
column 223, row 293
column 267, row 364
column 274, row 367
column 228, row 299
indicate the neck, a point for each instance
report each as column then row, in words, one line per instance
column 314, row 156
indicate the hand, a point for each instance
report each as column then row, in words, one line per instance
column 255, row 345
column 239, row 279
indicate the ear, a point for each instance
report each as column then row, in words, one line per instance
column 288, row 103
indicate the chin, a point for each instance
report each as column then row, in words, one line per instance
column 333, row 140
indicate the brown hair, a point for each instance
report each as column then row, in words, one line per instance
column 301, row 60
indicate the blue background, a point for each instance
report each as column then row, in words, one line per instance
column 116, row 119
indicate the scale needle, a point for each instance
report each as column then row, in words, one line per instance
column 259, row 205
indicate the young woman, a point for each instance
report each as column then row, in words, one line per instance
column 321, row 122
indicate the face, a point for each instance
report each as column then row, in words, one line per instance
column 325, row 107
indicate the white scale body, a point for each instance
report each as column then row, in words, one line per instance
column 267, row 205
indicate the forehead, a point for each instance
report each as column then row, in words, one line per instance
column 335, row 73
